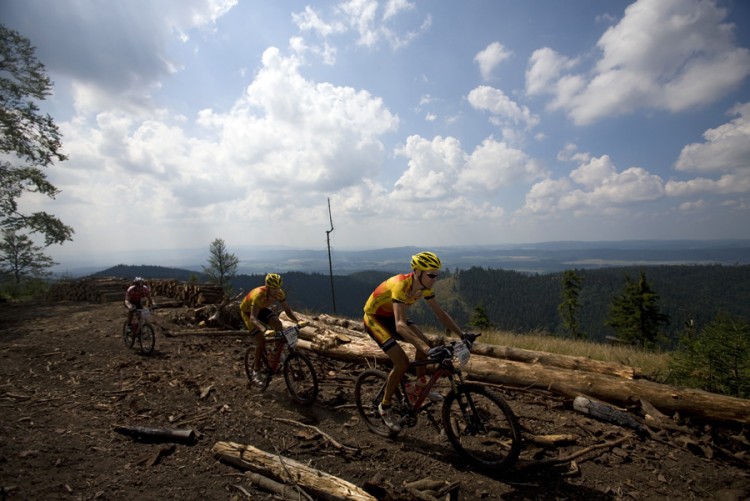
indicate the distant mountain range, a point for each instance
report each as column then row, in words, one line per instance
column 546, row 257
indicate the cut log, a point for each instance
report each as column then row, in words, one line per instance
column 606, row 412
column 320, row 484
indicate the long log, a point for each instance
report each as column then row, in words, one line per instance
column 614, row 390
column 322, row 485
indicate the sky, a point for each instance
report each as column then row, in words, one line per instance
column 421, row 123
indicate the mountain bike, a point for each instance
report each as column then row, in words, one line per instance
column 479, row 423
column 141, row 329
column 281, row 355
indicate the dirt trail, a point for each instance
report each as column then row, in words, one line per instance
column 66, row 380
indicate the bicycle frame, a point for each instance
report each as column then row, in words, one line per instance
column 416, row 406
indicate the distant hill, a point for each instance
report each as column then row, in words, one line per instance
column 545, row 257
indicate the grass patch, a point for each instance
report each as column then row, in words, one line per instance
column 653, row 365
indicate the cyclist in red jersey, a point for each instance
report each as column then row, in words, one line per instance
column 135, row 297
column 386, row 322
column 257, row 314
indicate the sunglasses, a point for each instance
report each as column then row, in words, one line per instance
column 432, row 275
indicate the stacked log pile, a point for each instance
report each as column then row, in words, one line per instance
column 107, row 289
column 93, row 290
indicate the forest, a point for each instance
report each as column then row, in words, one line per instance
column 512, row 300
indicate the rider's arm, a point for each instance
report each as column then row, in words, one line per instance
column 289, row 312
column 420, row 342
column 444, row 318
column 254, row 310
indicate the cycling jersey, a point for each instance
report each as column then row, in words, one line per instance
column 394, row 290
column 261, row 298
column 134, row 294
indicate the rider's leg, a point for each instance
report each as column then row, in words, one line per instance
column 260, row 345
column 418, row 355
column 400, row 365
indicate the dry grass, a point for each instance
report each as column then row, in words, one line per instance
column 653, row 365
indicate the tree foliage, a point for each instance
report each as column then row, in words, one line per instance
column 479, row 318
column 716, row 358
column 21, row 260
column 634, row 313
column 222, row 266
column 569, row 307
column 29, row 140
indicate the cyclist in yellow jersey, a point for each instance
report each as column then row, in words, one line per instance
column 257, row 314
column 386, row 322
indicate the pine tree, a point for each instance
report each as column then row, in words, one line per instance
column 634, row 313
column 479, row 318
column 568, row 308
column 222, row 266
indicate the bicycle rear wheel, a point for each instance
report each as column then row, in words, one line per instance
column 127, row 335
column 482, row 427
column 265, row 380
column 368, row 393
column 300, row 378
column 147, row 339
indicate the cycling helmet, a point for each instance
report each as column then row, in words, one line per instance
column 425, row 261
column 273, row 280
column 139, row 281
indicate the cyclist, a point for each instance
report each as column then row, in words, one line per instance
column 257, row 314
column 386, row 322
column 137, row 294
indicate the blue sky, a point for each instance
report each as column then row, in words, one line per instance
column 425, row 123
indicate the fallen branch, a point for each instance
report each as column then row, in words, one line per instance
column 329, row 438
column 145, row 434
column 534, row 465
column 270, row 485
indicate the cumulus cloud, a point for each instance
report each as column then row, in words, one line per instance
column 490, row 57
column 503, row 111
column 663, row 54
column 594, row 186
column 726, row 148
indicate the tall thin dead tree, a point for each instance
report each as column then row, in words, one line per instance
column 330, row 263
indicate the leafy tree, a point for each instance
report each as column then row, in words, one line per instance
column 222, row 266
column 21, row 260
column 479, row 318
column 29, row 140
column 634, row 313
column 568, row 308
column 716, row 359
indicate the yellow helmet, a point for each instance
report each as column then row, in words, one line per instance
column 273, row 280
column 425, row 261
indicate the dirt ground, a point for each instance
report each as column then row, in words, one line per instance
column 67, row 380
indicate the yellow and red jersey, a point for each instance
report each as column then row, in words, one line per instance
column 394, row 290
column 261, row 298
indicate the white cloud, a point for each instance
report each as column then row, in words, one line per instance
column 664, row 54
column 490, row 57
column 594, row 187
column 502, row 109
column 544, row 69
column 727, row 147
column 495, row 164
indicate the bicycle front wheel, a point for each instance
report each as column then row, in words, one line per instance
column 482, row 427
column 147, row 339
column 368, row 393
column 300, row 378
column 262, row 382
column 127, row 335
